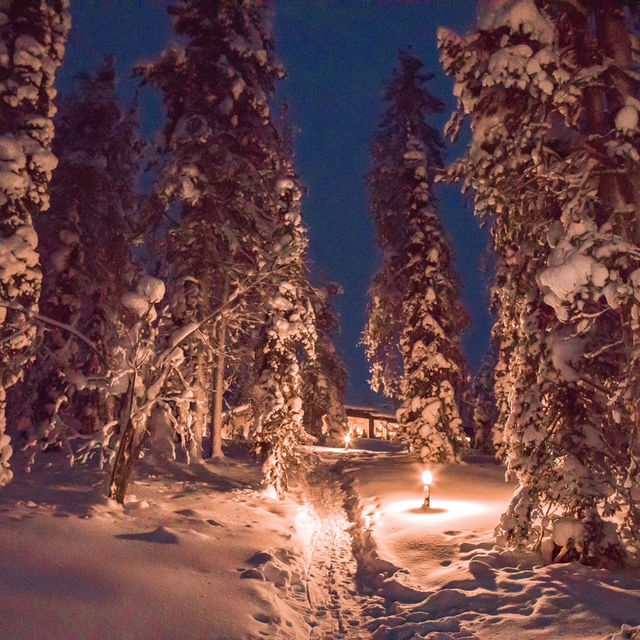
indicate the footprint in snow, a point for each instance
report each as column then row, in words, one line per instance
column 192, row 513
column 260, row 558
column 285, row 555
column 252, row 574
column 189, row 513
column 267, row 619
column 470, row 546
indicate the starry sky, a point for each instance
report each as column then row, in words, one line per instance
column 338, row 55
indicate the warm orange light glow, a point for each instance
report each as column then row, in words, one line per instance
column 427, row 477
column 347, row 438
column 443, row 509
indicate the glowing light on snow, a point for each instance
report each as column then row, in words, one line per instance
column 307, row 525
column 306, row 520
column 347, row 440
column 427, row 479
column 441, row 510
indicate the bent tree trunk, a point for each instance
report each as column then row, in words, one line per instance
column 133, row 431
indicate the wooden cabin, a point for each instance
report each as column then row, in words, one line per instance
column 371, row 422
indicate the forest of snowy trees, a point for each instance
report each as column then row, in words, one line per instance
column 140, row 312
column 132, row 319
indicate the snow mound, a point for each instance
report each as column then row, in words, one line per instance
column 627, row 633
column 470, row 587
column 154, row 572
column 161, row 535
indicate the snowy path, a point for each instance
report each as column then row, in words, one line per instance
column 331, row 567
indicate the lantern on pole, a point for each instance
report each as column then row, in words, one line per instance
column 427, row 479
column 347, row 441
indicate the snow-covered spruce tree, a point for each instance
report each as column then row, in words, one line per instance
column 325, row 377
column 554, row 160
column 239, row 239
column 32, row 42
column 214, row 176
column 286, row 340
column 86, row 239
column 415, row 318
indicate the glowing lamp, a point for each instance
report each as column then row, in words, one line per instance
column 427, row 479
column 347, row 440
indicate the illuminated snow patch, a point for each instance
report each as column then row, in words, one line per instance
column 441, row 509
column 307, row 525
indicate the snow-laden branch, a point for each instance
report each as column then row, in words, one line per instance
column 55, row 323
column 602, row 349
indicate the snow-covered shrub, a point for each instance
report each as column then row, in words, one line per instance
column 483, row 401
column 325, row 377
column 287, row 338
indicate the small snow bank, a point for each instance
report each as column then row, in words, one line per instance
column 372, row 570
column 194, row 552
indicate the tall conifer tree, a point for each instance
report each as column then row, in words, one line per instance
column 239, row 242
column 217, row 171
column 554, row 162
column 32, row 43
column 415, row 316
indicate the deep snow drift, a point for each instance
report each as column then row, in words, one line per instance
column 202, row 553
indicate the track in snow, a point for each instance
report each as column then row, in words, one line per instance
column 332, row 593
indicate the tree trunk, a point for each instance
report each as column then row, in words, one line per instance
column 198, row 412
column 128, row 455
column 216, row 429
column 614, row 39
column 129, row 448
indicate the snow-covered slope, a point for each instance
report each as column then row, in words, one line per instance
column 193, row 554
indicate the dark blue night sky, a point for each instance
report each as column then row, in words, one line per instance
column 338, row 56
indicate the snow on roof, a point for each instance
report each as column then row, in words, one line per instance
column 385, row 412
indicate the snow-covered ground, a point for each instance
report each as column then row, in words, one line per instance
column 201, row 553
column 459, row 584
column 180, row 560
